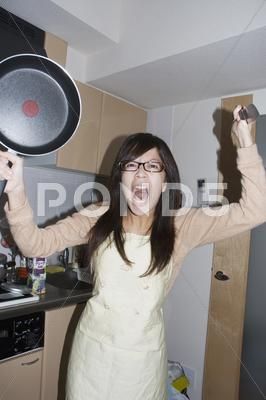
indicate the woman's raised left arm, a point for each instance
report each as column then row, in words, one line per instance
column 205, row 225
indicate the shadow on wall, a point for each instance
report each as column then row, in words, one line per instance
column 227, row 155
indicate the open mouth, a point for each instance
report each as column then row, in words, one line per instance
column 141, row 193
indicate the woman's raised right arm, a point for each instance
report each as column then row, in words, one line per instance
column 31, row 240
column 36, row 242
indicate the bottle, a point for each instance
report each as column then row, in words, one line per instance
column 37, row 274
column 22, row 271
column 11, row 272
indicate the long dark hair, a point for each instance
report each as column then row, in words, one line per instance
column 162, row 235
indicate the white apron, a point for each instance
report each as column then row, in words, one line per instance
column 119, row 350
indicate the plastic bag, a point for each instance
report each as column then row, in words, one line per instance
column 177, row 381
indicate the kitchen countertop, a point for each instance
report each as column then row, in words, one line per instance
column 54, row 297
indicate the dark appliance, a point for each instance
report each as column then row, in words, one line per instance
column 18, row 36
column 21, row 334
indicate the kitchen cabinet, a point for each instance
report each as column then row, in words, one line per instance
column 105, row 122
column 20, row 377
column 227, row 301
column 56, row 48
column 81, row 152
column 118, row 120
column 60, row 325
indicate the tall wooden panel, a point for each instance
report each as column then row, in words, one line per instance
column 227, row 301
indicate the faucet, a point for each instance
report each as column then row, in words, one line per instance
column 64, row 257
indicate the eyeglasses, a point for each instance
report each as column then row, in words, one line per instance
column 149, row 166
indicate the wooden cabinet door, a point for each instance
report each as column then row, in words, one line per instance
column 20, row 377
column 81, row 152
column 105, row 121
column 227, row 300
column 60, row 325
column 56, row 48
column 119, row 119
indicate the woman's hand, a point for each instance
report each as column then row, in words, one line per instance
column 241, row 130
column 14, row 176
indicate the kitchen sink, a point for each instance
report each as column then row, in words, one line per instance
column 66, row 280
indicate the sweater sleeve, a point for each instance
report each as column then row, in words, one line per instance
column 36, row 242
column 204, row 225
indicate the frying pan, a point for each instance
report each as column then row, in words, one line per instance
column 40, row 105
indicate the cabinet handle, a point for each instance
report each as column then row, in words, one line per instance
column 30, row 362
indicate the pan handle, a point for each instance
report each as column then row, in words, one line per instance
column 4, row 181
column 2, row 186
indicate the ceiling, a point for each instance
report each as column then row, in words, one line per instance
column 231, row 64
column 223, row 68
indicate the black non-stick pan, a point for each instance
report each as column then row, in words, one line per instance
column 40, row 105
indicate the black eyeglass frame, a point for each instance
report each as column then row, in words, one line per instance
column 139, row 164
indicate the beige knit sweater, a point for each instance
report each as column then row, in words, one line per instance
column 194, row 227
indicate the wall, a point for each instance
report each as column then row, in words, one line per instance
column 160, row 122
column 191, row 136
column 254, row 337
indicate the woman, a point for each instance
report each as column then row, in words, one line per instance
column 135, row 249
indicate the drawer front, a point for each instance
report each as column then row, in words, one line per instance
column 20, row 377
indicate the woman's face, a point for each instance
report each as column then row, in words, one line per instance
column 142, row 189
